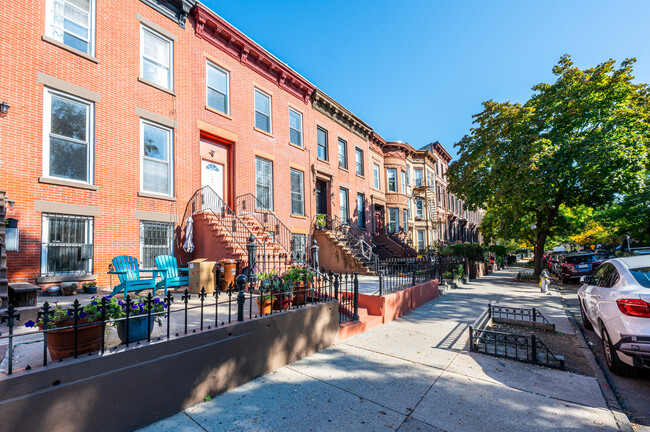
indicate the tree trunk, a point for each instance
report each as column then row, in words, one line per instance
column 539, row 250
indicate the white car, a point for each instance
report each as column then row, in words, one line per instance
column 615, row 303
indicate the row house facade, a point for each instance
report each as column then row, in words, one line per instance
column 128, row 118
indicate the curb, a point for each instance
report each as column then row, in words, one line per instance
column 611, row 398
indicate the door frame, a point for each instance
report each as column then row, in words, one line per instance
column 229, row 176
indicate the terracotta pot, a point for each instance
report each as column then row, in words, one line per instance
column 282, row 300
column 60, row 343
column 264, row 307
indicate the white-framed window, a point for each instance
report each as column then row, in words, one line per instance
column 156, row 238
column 391, row 179
column 157, row 58
column 157, row 159
column 345, row 210
column 263, row 118
column 264, row 182
column 72, row 22
column 361, row 210
column 299, row 248
column 421, row 244
column 297, row 192
column 343, row 153
column 321, row 143
column 393, row 216
column 403, row 182
column 66, row 245
column 405, row 221
column 408, row 175
column 419, row 209
column 359, row 161
column 68, row 137
column 295, row 127
column 418, row 177
column 375, row 169
column 218, row 88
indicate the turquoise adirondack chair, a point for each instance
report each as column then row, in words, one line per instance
column 127, row 269
column 169, row 271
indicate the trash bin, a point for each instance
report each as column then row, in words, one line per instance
column 228, row 269
column 202, row 275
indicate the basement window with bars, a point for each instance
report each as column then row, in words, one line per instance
column 67, row 245
column 156, row 238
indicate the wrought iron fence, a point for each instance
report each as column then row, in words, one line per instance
column 176, row 313
column 527, row 348
column 400, row 273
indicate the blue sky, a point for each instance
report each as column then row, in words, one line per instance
column 417, row 71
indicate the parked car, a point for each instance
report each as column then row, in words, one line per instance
column 573, row 266
column 552, row 258
column 555, row 265
column 614, row 302
column 603, row 254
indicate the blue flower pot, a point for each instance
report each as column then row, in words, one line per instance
column 137, row 329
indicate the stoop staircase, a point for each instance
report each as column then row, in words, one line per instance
column 357, row 252
column 229, row 234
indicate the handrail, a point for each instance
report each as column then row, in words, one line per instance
column 351, row 237
column 207, row 200
column 249, row 204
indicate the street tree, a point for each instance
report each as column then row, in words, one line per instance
column 578, row 141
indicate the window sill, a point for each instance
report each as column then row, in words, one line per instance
column 323, row 160
column 361, row 176
column 61, row 182
column 216, row 111
column 65, row 278
column 263, row 132
column 297, row 146
column 156, row 196
column 69, row 49
column 343, row 169
column 297, row 216
column 156, row 86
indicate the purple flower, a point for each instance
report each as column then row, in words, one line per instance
column 30, row 323
column 82, row 314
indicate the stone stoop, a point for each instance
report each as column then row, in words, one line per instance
column 365, row 323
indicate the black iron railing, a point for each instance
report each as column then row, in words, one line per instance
column 350, row 236
column 206, row 200
column 527, row 348
column 248, row 204
column 399, row 273
column 181, row 314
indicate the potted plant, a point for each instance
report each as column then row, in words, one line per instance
column 61, row 334
column 300, row 277
column 321, row 221
column 281, row 290
column 138, row 317
column 90, row 287
column 265, row 302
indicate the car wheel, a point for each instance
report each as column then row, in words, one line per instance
column 614, row 364
column 585, row 321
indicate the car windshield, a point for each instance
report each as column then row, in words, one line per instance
column 578, row 259
column 642, row 276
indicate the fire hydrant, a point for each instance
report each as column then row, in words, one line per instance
column 544, row 281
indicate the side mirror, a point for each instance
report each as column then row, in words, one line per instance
column 584, row 280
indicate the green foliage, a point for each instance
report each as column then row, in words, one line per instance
column 579, row 141
column 471, row 251
column 297, row 273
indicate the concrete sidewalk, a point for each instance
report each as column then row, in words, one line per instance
column 413, row 374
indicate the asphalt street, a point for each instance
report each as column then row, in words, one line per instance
column 633, row 393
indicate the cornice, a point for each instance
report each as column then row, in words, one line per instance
column 326, row 105
column 176, row 10
column 217, row 31
column 440, row 150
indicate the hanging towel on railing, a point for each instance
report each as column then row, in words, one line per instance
column 189, row 232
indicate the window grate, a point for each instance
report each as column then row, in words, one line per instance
column 156, row 238
column 67, row 245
